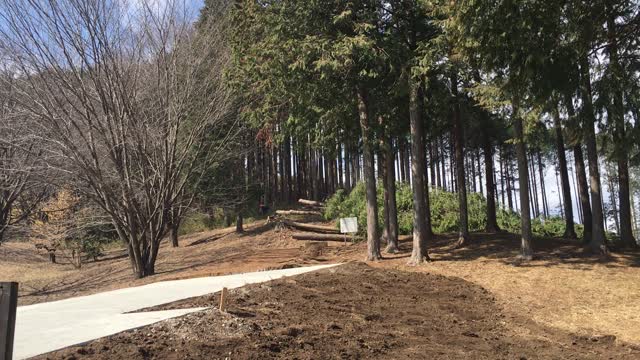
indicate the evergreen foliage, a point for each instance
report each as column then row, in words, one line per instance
column 444, row 212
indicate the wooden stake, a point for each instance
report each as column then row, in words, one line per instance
column 223, row 299
column 8, row 305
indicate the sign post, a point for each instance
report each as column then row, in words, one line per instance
column 8, row 306
column 348, row 226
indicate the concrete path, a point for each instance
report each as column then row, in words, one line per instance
column 46, row 327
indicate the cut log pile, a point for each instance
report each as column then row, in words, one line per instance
column 298, row 212
column 309, row 208
column 310, row 227
column 310, row 232
column 323, row 237
column 311, row 203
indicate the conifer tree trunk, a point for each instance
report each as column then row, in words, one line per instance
column 268, row 164
column 495, row 187
column 523, row 175
column 320, row 173
column 560, row 196
column 532, row 205
column 581, row 178
column 340, row 171
column 326, row 180
column 472, row 166
column 576, row 195
column 626, row 231
column 479, row 172
column 501, row 161
column 569, row 231
column 534, row 181
column 327, row 174
column 437, row 165
column 357, row 166
column 458, row 138
column 396, row 156
column 513, row 187
column 356, row 170
column 612, row 198
column 392, row 234
column 509, row 179
column 605, row 211
column 543, row 188
column 310, row 171
column 250, row 164
column 303, row 190
column 347, row 167
column 616, row 115
column 313, row 180
column 432, row 164
column 280, row 177
column 296, row 171
column 385, row 206
column 260, row 167
column 274, row 180
column 333, row 177
column 633, row 216
column 324, row 170
column 402, row 153
column 385, row 190
column 492, row 222
column 407, row 161
column 597, row 243
column 239, row 225
column 287, row 170
column 452, row 164
column 373, row 239
column 443, row 164
column 330, row 180
column 420, row 191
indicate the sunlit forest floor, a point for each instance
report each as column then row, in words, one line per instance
column 562, row 287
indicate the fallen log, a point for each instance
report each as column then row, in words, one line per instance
column 310, row 202
column 297, row 212
column 405, row 237
column 323, row 237
column 311, row 227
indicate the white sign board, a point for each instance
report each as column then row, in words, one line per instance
column 349, row 225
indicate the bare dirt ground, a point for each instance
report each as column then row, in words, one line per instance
column 351, row 312
column 562, row 290
column 563, row 287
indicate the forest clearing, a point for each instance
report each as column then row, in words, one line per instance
column 533, row 305
column 472, row 166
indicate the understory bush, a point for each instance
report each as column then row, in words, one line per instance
column 445, row 212
column 196, row 221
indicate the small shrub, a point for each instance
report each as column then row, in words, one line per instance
column 195, row 222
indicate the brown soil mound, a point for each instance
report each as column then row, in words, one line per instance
column 352, row 311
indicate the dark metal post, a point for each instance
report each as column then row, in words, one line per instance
column 8, row 306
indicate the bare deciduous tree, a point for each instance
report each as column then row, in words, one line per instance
column 20, row 163
column 122, row 95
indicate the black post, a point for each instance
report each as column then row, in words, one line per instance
column 8, row 305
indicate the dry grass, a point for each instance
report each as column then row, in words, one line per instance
column 562, row 287
column 216, row 252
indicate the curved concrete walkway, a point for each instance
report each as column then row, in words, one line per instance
column 46, row 327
